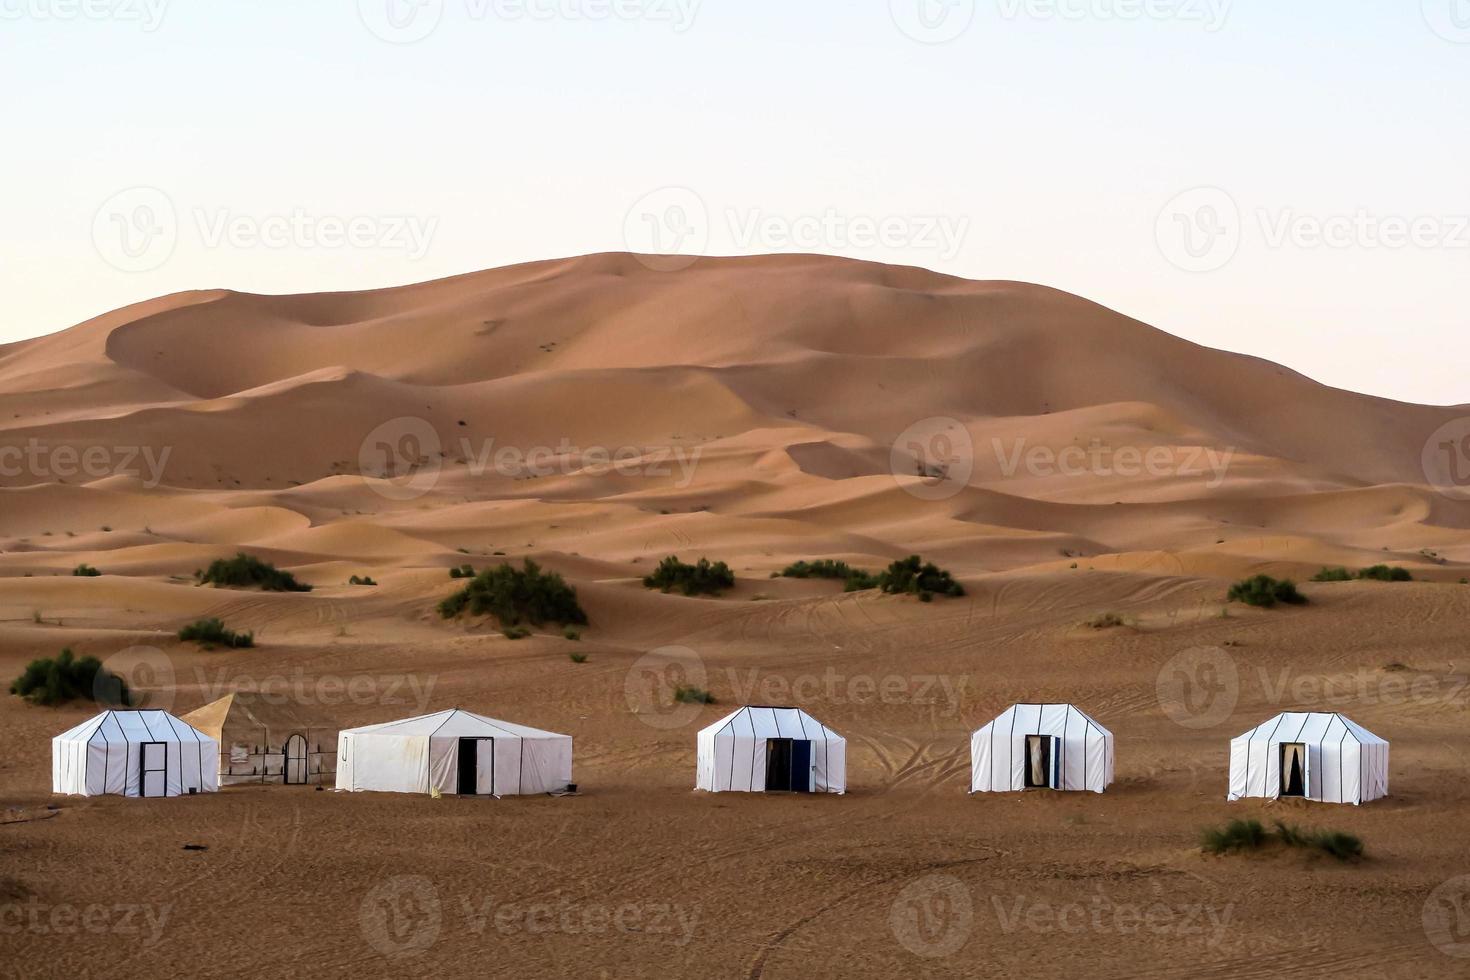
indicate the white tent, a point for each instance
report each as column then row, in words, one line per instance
column 134, row 753
column 453, row 752
column 761, row 749
column 1041, row 746
column 1313, row 755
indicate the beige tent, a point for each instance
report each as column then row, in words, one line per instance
column 267, row 739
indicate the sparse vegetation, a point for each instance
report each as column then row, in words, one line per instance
column 1106, row 621
column 1249, row 835
column 1237, row 835
column 577, row 658
column 462, row 571
column 246, row 572
column 853, row 579
column 66, row 678
column 572, row 633
column 1264, row 592
column 1338, row 574
column 1343, row 846
column 913, row 576
column 212, row 632
column 361, row 580
column 703, row 578
column 693, row 695
column 515, row 632
column 85, row 571
column 516, row 595
column 1385, row 573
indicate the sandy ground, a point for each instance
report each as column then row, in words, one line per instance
column 803, row 393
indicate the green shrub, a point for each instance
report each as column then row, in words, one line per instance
column 515, row 632
column 578, row 658
column 913, row 576
column 1265, row 591
column 85, row 571
column 1343, row 846
column 514, row 595
column 854, row 579
column 1237, row 835
column 65, row 678
column 572, row 633
column 212, row 632
column 703, row 578
column 1333, row 575
column 364, row 580
column 462, row 571
column 1383, row 573
column 245, row 572
column 693, row 695
column 1105, row 621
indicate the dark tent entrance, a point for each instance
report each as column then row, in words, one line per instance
column 476, row 767
column 1293, row 769
column 1043, row 763
column 788, row 765
column 293, row 763
column 153, row 769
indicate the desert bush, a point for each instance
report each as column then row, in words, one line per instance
column 1336, row 843
column 693, row 695
column 578, row 658
column 913, row 576
column 1237, row 835
column 854, row 579
column 66, row 678
column 245, row 572
column 515, row 632
column 462, row 571
column 1384, row 573
column 572, row 633
column 85, row 571
column 516, row 595
column 702, row 578
column 1265, row 591
column 1333, row 575
column 1105, row 621
column 212, row 632
column 363, row 580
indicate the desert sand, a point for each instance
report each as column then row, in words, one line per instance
column 597, row 414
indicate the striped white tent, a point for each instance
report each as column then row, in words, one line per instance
column 134, row 753
column 761, row 749
column 456, row 752
column 1315, row 755
column 1041, row 746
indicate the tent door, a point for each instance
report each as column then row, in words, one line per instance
column 476, row 767
column 1293, row 769
column 802, row 772
column 153, row 769
column 1043, row 762
column 778, row 765
column 293, row 765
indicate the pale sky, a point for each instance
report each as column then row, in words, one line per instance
column 1287, row 179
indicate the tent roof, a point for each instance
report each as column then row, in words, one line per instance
column 134, row 725
column 1047, row 719
column 253, row 709
column 1309, row 726
column 453, row 723
column 768, row 721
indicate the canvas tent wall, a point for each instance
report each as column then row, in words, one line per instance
column 133, row 753
column 1053, row 746
column 1314, row 755
column 455, row 752
column 268, row 739
column 759, row 748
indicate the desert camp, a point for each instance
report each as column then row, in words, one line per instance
column 1041, row 746
column 1309, row 755
column 268, row 739
column 758, row 749
column 140, row 753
